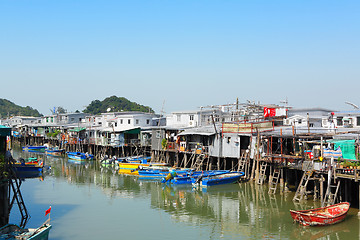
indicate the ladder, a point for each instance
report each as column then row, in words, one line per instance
column 262, row 174
column 14, row 185
column 274, row 181
column 198, row 162
column 331, row 194
column 242, row 162
column 301, row 190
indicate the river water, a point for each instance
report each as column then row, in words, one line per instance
column 90, row 201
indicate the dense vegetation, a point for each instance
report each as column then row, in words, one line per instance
column 11, row 109
column 115, row 104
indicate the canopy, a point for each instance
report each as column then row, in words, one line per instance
column 77, row 129
column 347, row 147
column 5, row 131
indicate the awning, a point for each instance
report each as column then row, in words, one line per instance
column 77, row 129
column 5, row 131
column 196, row 133
column 132, row 131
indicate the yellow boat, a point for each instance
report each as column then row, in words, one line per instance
column 131, row 168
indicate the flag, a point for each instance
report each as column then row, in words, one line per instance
column 48, row 211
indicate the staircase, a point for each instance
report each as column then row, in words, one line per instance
column 262, row 173
column 274, row 181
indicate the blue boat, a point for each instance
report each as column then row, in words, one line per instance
column 226, row 178
column 160, row 173
column 13, row 231
column 79, row 156
column 28, row 168
column 34, row 148
column 186, row 179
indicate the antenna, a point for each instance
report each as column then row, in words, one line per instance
column 352, row 104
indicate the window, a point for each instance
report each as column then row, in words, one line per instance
column 191, row 117
column 148, row 121
column 121, row 121
column 72, row 119
column 116, row 124
column 300, row 121
column 339, row 121
column 137, row 121
column 129, row 121
column 178, row 117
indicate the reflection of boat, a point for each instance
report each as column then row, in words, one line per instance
column 28, row 168
column 79, row 156
column 34, row 148
column 321, row 216
column 225, row 178
column 12, row 231
column 54, row 152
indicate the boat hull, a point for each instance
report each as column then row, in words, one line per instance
column 321, row 216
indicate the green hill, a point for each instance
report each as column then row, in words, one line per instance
column 11, row 109
column 116, row 104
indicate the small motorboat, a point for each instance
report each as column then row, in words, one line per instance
column 12, row 231
column 54, row 152
column 34, row 148
column 28, row 168
column 225, row 178
column 79, row 156
column 321, row 216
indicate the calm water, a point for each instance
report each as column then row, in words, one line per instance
column 94, row 202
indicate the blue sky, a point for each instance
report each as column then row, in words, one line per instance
column 186, row 53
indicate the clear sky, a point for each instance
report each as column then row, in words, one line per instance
column 184, row 53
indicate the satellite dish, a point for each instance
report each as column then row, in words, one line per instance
column 108, row 110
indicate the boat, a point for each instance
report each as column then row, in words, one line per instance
column 28, row 168
column 130, row 166
column 54, row 152
column 321, row 216
column 163, row 173
column 225, row 178
column 13, row 231
column 186, row 179
column 34, row 148
column 79, row 156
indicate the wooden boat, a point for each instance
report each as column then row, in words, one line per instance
column 226, row 178
column 79, row 156
column 34, row 148
column 12, row 231
column 321, row 216
column 54, row 152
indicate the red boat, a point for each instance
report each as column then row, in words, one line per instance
column 321, row 216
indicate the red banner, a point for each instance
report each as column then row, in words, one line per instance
column 269, row 112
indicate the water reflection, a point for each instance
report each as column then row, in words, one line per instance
column 235, row 211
